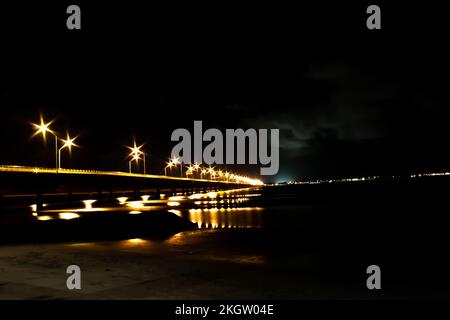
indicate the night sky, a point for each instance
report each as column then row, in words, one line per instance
column 349, row 101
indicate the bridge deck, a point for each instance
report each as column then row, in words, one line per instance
column 37, row 170
column 37, row 180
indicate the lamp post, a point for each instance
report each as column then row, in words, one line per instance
column 134, row 158
column 43, row 128
column 176, row 161
column 145, row 171
column 195, row 168
column 169, row 165
column 189, row 171
column 211, row 173
column 137, row 151
column 68, row 143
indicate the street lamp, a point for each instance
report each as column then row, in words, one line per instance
column 43, row 128
column 137, row 151
column 196, row 167
column 176, row 161
column 170, row 164
column 211, row 173
column 145, row 170
column 189, row 171
column 68, row 143
column 134, row 158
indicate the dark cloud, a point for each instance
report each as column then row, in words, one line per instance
column 363, row 112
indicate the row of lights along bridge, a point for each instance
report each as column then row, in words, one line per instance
column 192, row 171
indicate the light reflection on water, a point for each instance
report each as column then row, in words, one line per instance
column 210, row 210
column 135, row 242
column 248, row 217
column 189, row 244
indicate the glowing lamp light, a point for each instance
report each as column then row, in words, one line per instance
column 135, row 204
column 135, row 150
column 136, row 240
column 88, row 204
column 42, row 127
column 122, row 200
column 44, row 218
column 68, row 215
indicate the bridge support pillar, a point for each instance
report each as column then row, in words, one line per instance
column 70, row 198
column 136, row 193
column 99, row 196
column 39, row 202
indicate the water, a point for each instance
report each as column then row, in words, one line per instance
column 270, row 242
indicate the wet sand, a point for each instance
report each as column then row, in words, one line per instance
column 201, row 264
column 188, row 265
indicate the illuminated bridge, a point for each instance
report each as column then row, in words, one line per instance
column 19, row 181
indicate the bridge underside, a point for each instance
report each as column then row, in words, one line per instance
column 41, row 185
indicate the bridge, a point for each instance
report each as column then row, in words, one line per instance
column 40, row 183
